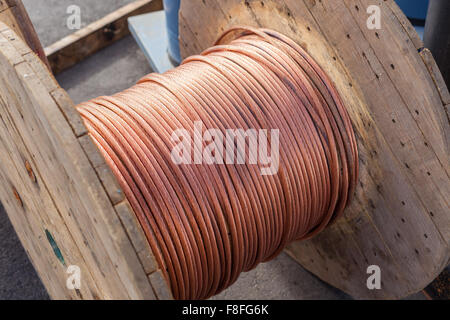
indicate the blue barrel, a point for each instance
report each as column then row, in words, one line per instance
column 414, row 9
column 172, row 7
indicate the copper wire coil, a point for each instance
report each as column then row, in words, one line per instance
column 206, row 224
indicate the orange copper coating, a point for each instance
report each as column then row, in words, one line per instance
column 208, row 223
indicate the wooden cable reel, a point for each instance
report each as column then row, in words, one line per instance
column 68, row 209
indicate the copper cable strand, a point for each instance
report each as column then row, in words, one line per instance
column 208, row 223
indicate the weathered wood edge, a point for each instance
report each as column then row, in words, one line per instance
column 13, row 13
column 76, row 47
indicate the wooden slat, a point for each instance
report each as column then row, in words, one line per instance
column 83, row 43
column 137, row 237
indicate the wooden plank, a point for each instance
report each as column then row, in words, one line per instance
column 14, row 14
column 104, row 173
column 63, row 100
column 399, row 219
column 137, row 237
column 83, row 43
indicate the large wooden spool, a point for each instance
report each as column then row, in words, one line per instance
column 67, row 208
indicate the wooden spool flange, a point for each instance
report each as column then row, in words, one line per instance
column 398, row 103
column 67, row 208
column 60, row 196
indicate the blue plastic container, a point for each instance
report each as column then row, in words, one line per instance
column 414, row 9
column 172, row 7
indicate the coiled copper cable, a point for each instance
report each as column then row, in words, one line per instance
column 208, row 223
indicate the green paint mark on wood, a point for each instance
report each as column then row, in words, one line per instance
column 55, row 247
